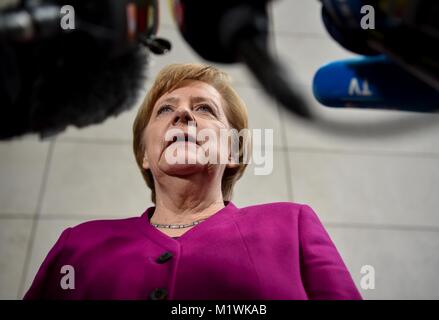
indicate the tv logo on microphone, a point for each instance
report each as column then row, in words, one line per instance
column 356, row 89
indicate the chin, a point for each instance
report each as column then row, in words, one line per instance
column 183, row 169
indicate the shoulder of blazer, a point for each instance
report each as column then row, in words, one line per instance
column 93, row 231
column 279, row 209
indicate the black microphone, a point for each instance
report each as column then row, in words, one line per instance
column 237, row 31
column 51, row 78
column 406, row 31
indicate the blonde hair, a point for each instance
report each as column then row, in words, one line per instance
column 172, row 77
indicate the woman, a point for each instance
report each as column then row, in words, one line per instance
column 195, row 243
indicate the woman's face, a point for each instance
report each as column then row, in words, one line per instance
column 182, row 114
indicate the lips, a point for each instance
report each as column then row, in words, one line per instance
column 183, row 137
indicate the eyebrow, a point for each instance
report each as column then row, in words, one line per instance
column 193, row 100
column 170, row 100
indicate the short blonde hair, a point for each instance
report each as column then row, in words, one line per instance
column 172, row 77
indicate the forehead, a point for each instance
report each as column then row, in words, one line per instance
column 193, row 88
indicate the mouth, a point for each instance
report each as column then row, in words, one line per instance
column 182, row 138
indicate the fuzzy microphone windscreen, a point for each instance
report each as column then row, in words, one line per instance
column 72, row 79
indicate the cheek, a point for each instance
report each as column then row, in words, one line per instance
column 152, row 139
column 219, row 145
column 213, row 125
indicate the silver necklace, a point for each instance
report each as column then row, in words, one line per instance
column 177, row 226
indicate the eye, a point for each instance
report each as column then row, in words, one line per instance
column 205, row 108
column 165, row 108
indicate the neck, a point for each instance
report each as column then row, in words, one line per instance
column 181, row 200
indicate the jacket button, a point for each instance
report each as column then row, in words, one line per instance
column 164, row 257
column 159, row 294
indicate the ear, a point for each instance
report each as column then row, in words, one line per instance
column 145, row 163
column 231, row 164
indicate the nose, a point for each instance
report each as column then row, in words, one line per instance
column 184, row 116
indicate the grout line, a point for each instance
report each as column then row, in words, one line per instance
column 35, row 218
column 387, row 227
column 85, row 217
column 286, row 155
column 301, row 34
column 384, row 153
column 16, row 216
column 107, row 141
column 276, row 31
column 63, row 216
column 337, row 225
column 167, row 26
column 366, row 152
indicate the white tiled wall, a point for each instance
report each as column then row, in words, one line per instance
column 376, row 194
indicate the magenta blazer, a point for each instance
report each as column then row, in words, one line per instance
column 269, row 251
